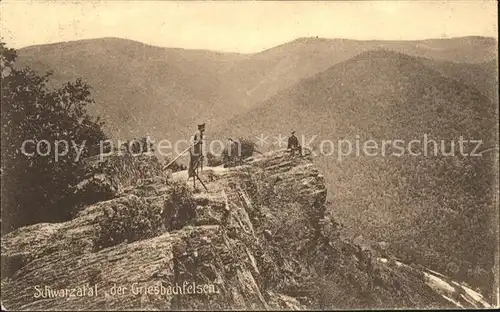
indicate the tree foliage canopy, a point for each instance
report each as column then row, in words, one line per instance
column 36, row 187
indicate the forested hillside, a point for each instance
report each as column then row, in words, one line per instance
column 436, row 209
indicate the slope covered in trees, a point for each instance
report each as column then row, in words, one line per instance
column 260, row 238
column 438, row 208
column 142, row 89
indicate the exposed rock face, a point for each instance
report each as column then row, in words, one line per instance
column 260, row 238
column 106, row 176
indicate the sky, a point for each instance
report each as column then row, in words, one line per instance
column 244, row 27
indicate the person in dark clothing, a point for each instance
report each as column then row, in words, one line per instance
column 196, row 151
column 293, row 144
column 233, row 154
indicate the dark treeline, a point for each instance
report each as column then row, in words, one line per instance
column 37, row 187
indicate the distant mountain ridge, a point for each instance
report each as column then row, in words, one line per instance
column 141, row 89
column 369, row 86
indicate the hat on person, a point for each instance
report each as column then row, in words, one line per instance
column 293, row 131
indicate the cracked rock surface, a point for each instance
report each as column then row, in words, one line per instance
column 258, row 239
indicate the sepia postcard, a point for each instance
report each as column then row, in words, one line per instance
column 249, row 155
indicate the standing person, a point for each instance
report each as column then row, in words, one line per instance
column 227, row 155
column 293, row 144
column 232, row 154
column 196, row 151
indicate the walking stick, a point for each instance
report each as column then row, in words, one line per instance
column 195, row 172
column 183, row 152
column 206, row 189
column 196, row 176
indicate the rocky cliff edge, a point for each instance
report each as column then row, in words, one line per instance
column 259, row 238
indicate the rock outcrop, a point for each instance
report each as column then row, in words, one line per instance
column 106, row 175
column 260, row 238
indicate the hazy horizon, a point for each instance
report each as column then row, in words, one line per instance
column 218, row 51
column 241, row 27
